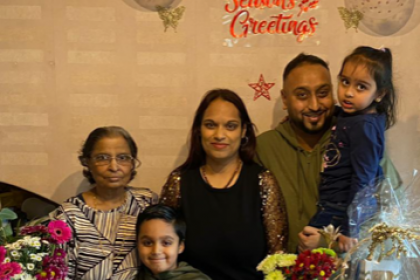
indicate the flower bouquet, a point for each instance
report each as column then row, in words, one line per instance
column 36, row 253
column 317, row 264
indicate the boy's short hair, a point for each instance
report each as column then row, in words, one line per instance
column 166, row 213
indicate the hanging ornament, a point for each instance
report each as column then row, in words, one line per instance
column 383, row 17
column 152, row 4
column 261, row 88
column 350, row 18
column 170, row 16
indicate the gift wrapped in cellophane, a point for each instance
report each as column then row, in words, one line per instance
column 386, row 221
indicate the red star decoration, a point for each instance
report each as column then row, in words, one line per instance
column 261, row 88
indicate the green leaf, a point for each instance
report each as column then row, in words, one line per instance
column 7, row 214
column 8, row 230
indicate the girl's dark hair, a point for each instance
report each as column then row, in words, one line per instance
column 197, row 156
column 165, row 213
column 98, row 134
column 379, row 64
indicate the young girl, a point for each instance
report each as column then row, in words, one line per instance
column 351, row 162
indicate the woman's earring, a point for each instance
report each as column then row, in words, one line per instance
column 244, row 141
column 378, row 99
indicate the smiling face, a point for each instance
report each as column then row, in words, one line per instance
column 112, row 175
column 307, row 97
column 158, row 246
column 221, row 131
column 356, row 88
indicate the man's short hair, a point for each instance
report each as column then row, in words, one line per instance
column 303, row 59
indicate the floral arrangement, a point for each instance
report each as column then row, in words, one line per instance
column 36, row 254
column 317, row 264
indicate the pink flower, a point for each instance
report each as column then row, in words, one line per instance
column 50, row 273
column 59, row 231
column 59, row 253
column 48, row 261
column 54, row 273
column 7, row 270
column 2, row 254
column 39, row 229
column 43, row 275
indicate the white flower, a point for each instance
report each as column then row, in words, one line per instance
column 15, row 246
column 18, row 276
column 27, row 237
column 23, row 276
column 35, row 243
column 7, row 260
column 15, row 254
column 45, row 242
column 30, row 266
column 37, row 257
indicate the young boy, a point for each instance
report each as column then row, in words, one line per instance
column 160, row 238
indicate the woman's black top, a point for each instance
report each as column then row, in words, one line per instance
column 225, row 234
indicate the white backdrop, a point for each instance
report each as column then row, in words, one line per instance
column 67, row 67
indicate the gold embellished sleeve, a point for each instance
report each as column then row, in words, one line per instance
column 171, row 191
column 274, row 213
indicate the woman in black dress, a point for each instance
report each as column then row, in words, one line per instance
column 234, row 210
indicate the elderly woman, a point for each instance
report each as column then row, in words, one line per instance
column 234, row 210
column 103, row 219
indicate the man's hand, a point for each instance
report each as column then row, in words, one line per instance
column 309, row 238
column 346, row 243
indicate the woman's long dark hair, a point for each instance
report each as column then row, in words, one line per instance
column 197, row 155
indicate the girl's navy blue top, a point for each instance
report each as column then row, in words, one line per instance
column 351, row 161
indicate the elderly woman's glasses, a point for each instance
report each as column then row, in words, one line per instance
column 121, row 160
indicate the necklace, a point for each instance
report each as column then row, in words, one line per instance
column 203, row 172
column 118, row 217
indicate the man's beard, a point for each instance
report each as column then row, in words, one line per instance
column 301, row 125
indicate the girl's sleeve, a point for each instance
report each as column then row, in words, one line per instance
column 69, row 247
column 274, row 213
column 367, row 148
column 171, row 191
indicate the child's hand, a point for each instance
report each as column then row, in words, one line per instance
column 346, row 243
column 309, row 238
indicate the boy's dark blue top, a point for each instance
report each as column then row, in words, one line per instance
column 352, row 158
